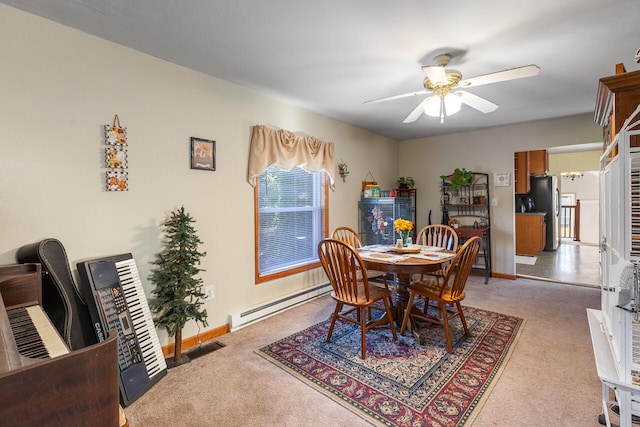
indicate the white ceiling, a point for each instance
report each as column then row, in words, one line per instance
column 330, row 56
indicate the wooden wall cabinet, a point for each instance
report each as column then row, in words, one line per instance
column 531, row 234
column 618, row 96
column 538, row 162
column 527, row 164
column 521, row 172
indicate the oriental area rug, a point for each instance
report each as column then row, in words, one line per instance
column 403, row 383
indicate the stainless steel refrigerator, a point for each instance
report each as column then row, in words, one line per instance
column 544, row 190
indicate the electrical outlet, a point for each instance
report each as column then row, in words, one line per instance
column 208, row 292
column 494, row 201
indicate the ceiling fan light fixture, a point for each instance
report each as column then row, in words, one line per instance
column 452, row 103
column 432, row 106
column 435, row 107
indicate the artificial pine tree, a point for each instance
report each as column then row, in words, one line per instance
column 179, row 292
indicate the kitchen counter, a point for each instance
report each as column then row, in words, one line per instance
column 531, row 213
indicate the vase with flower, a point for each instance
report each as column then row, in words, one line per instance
column 403, row 227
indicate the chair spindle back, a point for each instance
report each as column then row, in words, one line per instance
column 461, row 266
column 348, row 236
column 342, row 264
column 442, row 236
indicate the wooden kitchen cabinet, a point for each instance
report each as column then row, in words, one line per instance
column 521, row 172
column 538, row 162
column 527, row 164
column 531, row 233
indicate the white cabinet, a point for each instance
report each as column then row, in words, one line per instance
column 615, row 328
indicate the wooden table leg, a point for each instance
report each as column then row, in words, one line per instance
column 402, row 298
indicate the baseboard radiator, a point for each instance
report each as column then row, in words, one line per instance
column 252, row 315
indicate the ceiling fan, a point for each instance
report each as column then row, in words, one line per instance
column 441, row 83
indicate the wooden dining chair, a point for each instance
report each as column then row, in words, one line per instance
column 447, row 293
column 344, row 268
column 351, row 238
column 441, row 236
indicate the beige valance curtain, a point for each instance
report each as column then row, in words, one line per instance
column 285, row 150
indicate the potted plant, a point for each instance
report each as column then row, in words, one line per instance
column 179, row 293
column 459, row 178
column 406, row 182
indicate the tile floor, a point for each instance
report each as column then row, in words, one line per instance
column 573, row 263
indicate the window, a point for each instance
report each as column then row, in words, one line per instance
column 291, row 219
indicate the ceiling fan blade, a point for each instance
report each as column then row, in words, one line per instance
column 476, row 102
column 404, row 95
column 501, row 76
column 415, row 114
column 435, row 73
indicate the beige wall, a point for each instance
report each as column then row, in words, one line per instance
column 489, row 151
column 576, row 162
column 60, row 86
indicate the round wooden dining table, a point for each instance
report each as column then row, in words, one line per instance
column 404, row 265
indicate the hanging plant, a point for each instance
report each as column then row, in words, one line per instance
column 459, row 178
column 343, row 170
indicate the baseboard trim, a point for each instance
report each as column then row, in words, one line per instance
column 504, row 276
column 193, row 341
column 494, row 274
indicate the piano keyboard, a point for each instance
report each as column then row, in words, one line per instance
column 141, row 316
column 118, row 302
column 34, row 334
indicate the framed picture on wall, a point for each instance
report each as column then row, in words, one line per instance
column 117, row 180
column 203, row 154
column 115, row 134
column 501, row 179
column 116, row 157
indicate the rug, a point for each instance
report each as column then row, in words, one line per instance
column 529, row 260
column 402, row 383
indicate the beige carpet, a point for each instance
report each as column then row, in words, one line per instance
column 550, row 379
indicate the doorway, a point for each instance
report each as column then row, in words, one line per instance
column 577, row 260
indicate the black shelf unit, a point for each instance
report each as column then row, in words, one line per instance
column 469, row 207
column 412, row 194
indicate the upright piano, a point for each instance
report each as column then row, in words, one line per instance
column 42, row 382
